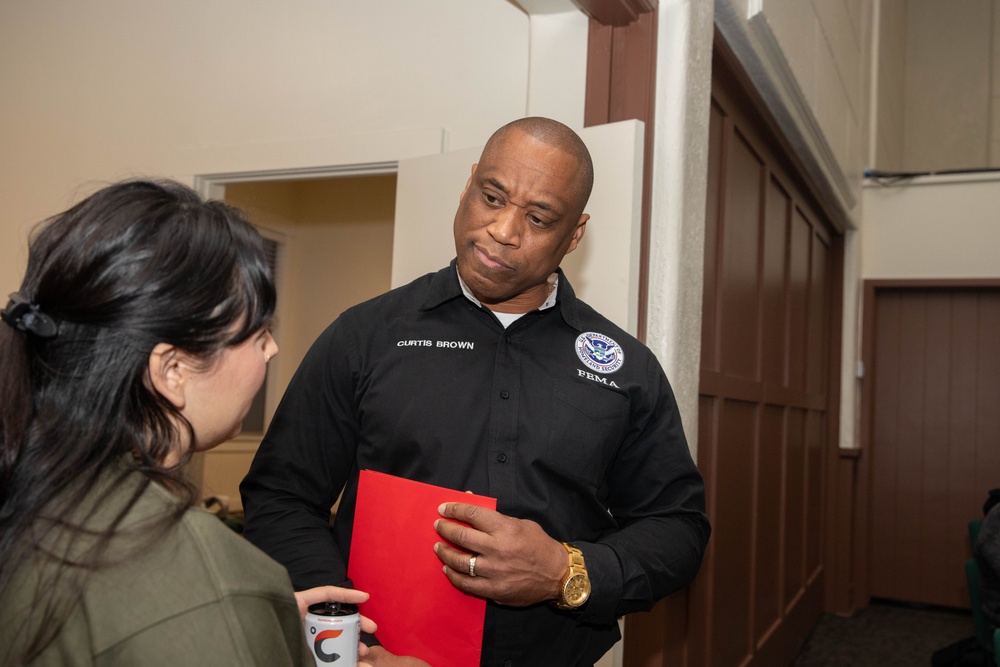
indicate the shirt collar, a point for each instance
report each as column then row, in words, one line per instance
column 445, row 285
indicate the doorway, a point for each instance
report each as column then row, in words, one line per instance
column 334, row 241
column 932, row 391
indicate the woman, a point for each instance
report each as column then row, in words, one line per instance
column 139, row 335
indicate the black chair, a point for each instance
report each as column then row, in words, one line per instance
column 979, row 622
column 981, row 625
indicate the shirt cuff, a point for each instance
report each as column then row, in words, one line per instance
column 605, row 575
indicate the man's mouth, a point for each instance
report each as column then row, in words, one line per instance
column 491, row 261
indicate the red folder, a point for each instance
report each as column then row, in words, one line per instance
column 418, row 611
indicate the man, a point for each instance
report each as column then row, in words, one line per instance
column 544, row 404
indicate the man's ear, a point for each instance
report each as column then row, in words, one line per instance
column 167, row 373
column 468, row 182
column 581, row 227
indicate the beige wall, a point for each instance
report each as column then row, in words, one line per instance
column 826, row 46
column 948, row 78
column 810, row 62
column 942, row 227
column 937, row 71
column 889, row 86
column 102, row 90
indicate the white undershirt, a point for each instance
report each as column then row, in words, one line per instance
column 507, row 319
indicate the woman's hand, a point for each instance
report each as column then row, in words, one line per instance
column 311, row 596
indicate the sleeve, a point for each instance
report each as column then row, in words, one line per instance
column 657, row 497
column 303, row 463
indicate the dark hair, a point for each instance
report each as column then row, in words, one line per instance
column 992, row 499
column 135, row 264
column 556, row 134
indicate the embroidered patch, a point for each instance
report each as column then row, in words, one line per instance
column 599, row 353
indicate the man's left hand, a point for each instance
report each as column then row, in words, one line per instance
column 516, row 562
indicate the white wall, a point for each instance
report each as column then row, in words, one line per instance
column 102, row 90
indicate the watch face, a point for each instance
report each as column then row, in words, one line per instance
column 577, row 589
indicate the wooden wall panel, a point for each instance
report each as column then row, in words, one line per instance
column 739, row 285
column 773, row 275
column 882, row 569
column 769, row 304
column 936, row 448
column 987, row 451
column 798, row 294
column 733, row 531
column 703, row 624
column 794, row 511
column 814, row 496
column 818, row 337
column 767, row 575
column 713, row 210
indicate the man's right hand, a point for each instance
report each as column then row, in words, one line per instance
column 379, row 657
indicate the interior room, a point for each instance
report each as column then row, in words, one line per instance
column 804, row 212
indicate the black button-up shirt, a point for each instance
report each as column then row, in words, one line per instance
column 563, row 417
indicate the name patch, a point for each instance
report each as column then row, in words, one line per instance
column 453, row 344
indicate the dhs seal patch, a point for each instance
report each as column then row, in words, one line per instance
column 599, row 353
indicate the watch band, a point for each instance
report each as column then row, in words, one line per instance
column 574, row 557
column 574, row 587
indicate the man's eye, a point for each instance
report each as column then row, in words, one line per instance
column 490, row 199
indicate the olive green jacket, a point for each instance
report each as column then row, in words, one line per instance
column 200, row 595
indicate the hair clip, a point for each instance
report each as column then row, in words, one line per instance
column 27, row 317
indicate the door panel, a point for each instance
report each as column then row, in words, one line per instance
column 935, row 381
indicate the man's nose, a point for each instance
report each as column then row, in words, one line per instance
column 506, row 226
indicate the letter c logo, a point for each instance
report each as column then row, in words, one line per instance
column 318, row 645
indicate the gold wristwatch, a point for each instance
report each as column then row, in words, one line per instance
column 574, row 588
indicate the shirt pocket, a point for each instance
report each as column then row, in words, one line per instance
column 585, row 429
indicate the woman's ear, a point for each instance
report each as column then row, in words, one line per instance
column 167, row 373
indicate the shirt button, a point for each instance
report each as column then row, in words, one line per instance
column 506, row 339
column 505, row 394
column 508, row 663
column 501, row 458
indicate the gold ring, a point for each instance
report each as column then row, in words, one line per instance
column 472, row 566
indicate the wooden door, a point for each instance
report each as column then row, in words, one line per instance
column 766, row 396
column 934, row 381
